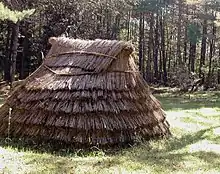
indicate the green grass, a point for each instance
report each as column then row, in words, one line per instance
column 194, row 147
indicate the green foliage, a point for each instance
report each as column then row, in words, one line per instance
column 14, row 16
column 152, row 5
column 123, row 34
column 194, row 33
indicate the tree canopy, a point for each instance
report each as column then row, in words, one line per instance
column 13, row 15
column 177, row 41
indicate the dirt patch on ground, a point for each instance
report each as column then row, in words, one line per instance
column 6, row 89
column 4, row 92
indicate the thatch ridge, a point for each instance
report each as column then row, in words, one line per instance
column 86, row 92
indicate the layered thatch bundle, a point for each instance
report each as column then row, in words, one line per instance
column 85, row 92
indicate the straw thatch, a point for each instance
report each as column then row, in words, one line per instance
column 85, row 92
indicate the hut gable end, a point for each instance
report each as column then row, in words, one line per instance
column 88, row 56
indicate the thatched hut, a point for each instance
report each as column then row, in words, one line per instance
column 85, row 92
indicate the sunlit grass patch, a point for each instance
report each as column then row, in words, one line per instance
column 1, row 101
column 206, row 146
column 11, row 161
column 216, row 131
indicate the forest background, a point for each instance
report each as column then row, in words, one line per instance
column 177, row 41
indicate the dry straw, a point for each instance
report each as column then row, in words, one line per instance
column 85, row 92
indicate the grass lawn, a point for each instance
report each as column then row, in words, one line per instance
column 194, row 147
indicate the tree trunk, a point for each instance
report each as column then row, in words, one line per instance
column 160, row 66
column 14, row 46
column 192, row 56
column 148, row 71
column 185, row 38
column 179, row 58
column 211, row 53
column 7, row 55
column 156, row 47
column 128, row 25
column 99, row 25
column 203, row 48
column 185, row 46
column 116, row 28
column 218, row 70
column 162, row 29
column 24, row 53
column 141, row 43
column 210, row 58
column 109, row 22
column 169, row 48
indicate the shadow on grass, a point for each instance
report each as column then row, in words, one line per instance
column 175, row 153
column 169, row 158
column 62, row 149
column 51, row 164
column 172, row 157
column 185, row 140
column 58, row 148
column 171, row 161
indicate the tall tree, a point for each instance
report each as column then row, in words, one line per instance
column 13, row 32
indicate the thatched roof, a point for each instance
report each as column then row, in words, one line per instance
column 86, row 92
